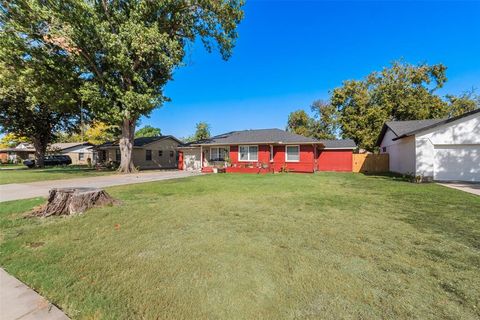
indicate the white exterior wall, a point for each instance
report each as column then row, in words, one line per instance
column 457, row 136
column 401, row 152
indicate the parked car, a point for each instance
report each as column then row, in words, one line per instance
column 56, row 160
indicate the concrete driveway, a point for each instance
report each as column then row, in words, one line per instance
column 473, row 188
column 16, row 191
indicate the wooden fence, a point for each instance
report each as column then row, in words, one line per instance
column 370, row 163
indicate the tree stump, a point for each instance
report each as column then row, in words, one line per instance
column 67, row 201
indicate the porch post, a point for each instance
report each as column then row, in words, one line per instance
column 201, row 158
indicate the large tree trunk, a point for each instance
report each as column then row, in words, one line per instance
column 126, row 147
column 67, row 201
column 40, row 150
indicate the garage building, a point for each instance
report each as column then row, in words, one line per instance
column 435, row 149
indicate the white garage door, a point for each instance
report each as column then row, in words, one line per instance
column 191, row 159
column 457, row 163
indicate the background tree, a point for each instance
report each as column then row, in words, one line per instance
column 324, row 125
column 129, row 49
column 401, row 92
column 299, row 122
column 202, row 131
column 38, row 84
column 100, row 132
column 11, row 140
column 148, row 131
column 95, row 133
column 467, row 101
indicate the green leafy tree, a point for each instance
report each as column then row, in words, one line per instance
column 95, row 133
column 129, row 49
column 458, row 105
column 299, row 122
column 11, row 140
column 148, row 131
column 202, row 131
column 38, row 84
column 324, row 125
column 401, row 92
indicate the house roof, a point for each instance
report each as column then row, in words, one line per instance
column 17, row 150
column 404, row 129
column 264, row 136
column 338, row 144
column 68, row 145
column 138, row 142
column 21, row 147
column 26, row 147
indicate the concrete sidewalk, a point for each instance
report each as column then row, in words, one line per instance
column 18, row 301
column 16, row 191
column 473, row 188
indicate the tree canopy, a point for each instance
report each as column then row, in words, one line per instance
column 465, row 102
column 148, row 131
column 11, row 140
column 127, row 50
column 323, row 125
column 202, row 131
column 359, row 108
column 299, row 122
column 95, row 133
column 401, row 92
column 39, row 85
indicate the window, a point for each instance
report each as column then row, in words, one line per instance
column 172, row 154
column 148, row 155
column 292, row 153
column 160, row 153
column 81, row 156
column 218, row 153
column 118, row 155
column 271, row 153
column 384, row 149
column 248, row 153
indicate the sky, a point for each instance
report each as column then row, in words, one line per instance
column 290, row 53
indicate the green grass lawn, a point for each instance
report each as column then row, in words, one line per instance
column 23, row 174
column 287, row 246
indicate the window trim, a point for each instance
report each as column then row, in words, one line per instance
column 286, row 154
column 248, row 153
column 81, row 156
column 227, row 155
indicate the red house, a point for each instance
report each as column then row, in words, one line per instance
column 266, row 150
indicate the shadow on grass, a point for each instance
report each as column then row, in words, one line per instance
column 390, row 176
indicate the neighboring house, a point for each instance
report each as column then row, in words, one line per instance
column 438, row 149
column 22, row 151
column 79, row 152
column 148, row 152
column 267, row 150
